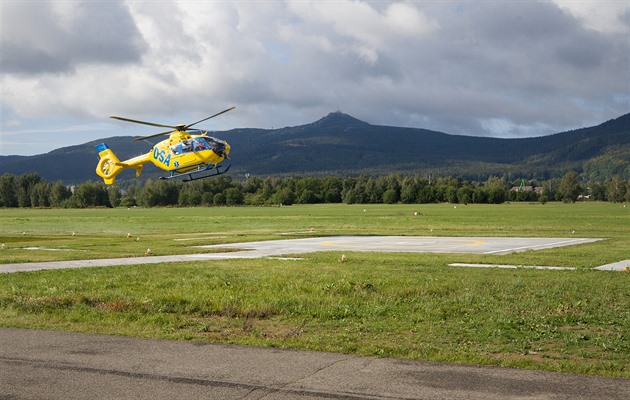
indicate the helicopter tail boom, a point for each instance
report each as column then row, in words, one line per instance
column 109, row 166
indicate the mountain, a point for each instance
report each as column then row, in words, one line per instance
column 343, row 145
column 74, row 164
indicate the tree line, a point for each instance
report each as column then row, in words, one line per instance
column 30, row 190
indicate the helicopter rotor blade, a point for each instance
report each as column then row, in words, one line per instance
column 143, row 122
column 152, row 136
column 180, row 127
column 212, row 116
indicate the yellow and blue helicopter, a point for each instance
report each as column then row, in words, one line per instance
column 186, row 154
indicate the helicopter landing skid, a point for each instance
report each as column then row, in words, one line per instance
column 199, row 173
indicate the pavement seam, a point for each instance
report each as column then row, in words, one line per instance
column 190, row 381
column 345, row 395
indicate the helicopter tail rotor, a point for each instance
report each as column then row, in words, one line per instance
column 109, row 166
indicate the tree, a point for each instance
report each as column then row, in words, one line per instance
column 392, row 182
column 114, row 196
column 284, row 196
column 160, row 193
column 129, row 199
column 58, row 194
column 332, row 194
column 190, row 195
column 570, row 188
column 253, row 184
column 40, row 194
column 464, row 194
column 374, row 191
column 479, row 196
column 90, row 194
column 451, row 194
column 409, row 191
column 598, row 191
column 219, row 199
column 390, row 196
column 350, row 197
column 233, row 197
column 207, row 198
column 308, row 197
column 308, row 190
column 8, row 195
column 359, row 192
column 269, row 187
column 24, row 185
column 496, row 189
column 550, row 189
column 428, row 194
column 616, row 189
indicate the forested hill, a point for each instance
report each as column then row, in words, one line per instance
column 339, row 143
column 342, row 145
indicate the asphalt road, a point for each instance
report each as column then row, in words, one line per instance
column 57, row 365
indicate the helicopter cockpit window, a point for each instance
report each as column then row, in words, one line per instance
column 217, row 145
column 186, row 146
column 182, row 147
column 199, row 144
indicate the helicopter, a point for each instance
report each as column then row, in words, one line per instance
column 186, row 154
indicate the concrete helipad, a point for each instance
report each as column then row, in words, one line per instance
column 395, row 244
column 617, row 266
column 403, row 244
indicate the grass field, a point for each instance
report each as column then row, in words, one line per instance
column 400, row 305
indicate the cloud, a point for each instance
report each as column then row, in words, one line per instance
column 53, row 37
column 607, row 16
column 475, row 67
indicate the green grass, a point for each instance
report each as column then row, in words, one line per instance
column 396, row 305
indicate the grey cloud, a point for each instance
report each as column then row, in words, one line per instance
column 34, row 41
column 525, row 63
column 584, row 50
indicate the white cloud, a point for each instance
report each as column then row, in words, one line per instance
column 407, row 20
column 607, row 16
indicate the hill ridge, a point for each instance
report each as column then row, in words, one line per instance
column 341, row 144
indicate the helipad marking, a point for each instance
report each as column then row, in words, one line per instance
column 510, row 266
column 476, row 243
column 33, row 248
column 198, row 238
column 543, row 246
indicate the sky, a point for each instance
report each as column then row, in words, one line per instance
column 482, row 67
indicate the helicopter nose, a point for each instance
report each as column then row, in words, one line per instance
column 226, row 151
